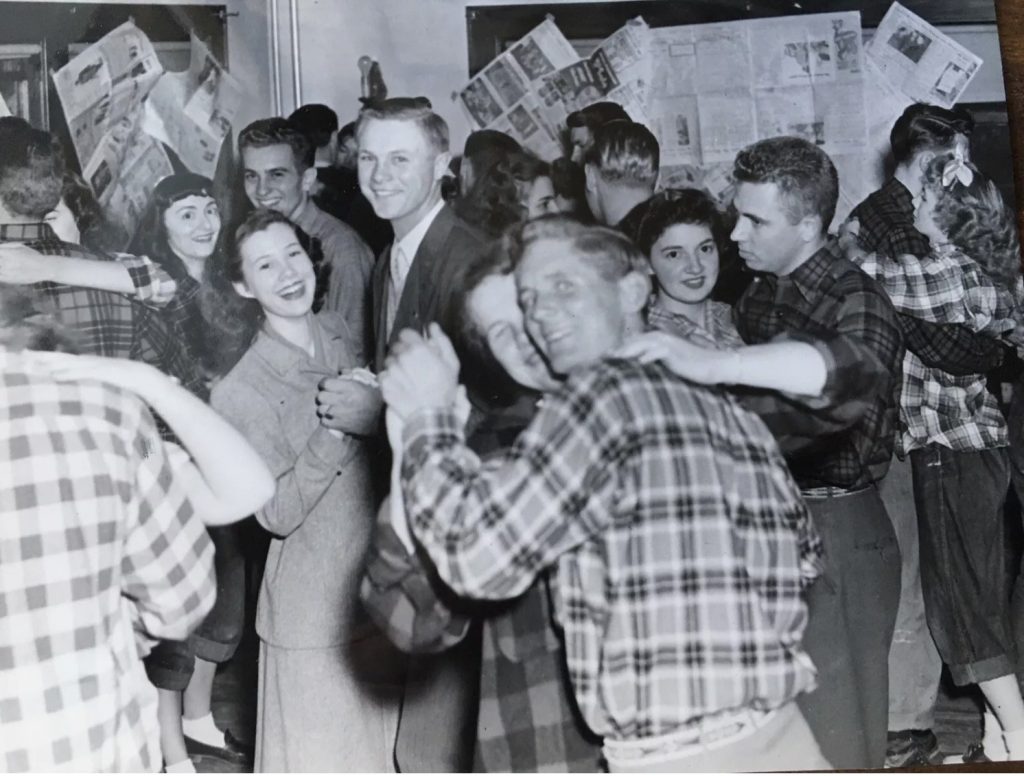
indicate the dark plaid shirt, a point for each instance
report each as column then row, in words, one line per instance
column 105, row 323
column 887, row 226
column 845, row 439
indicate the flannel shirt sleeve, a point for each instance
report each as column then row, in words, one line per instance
column 153, row 286
column 403, row 597
column 491, row 527
column 167, row 566
column 159, row 347
column 953, row 348
column 898, row 239
column 301, row 480
column 860, row 354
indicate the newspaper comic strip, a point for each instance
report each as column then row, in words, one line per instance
column 924, row 63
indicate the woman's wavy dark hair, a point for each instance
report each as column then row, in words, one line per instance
column 233, row 319
column 689, row 206
column 494, row 202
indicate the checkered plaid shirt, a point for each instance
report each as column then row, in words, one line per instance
column 108, row 324
column 847, row 440
column 887, row 226
column 956, row 411
column 721, row 332
column 526, row 721
column 100, row 554
column 682, row 544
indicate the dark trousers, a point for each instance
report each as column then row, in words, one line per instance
column 960, row 499
column 169, row 666
column 852, row 614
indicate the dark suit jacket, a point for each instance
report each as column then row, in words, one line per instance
column 436, row 729
column 433, row 276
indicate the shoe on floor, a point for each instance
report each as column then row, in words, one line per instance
column 910, row 748
column 234, row 751
column 975, row 753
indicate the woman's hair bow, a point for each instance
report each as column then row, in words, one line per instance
column 957, row 169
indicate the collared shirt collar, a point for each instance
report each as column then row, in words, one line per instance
column 409, row 244
column 26, row 232
column 899, row 194
column 808, row 276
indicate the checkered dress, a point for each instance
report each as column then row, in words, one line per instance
column 887, row 227
column 956, row 411
column 100, row 555
column 682, row 544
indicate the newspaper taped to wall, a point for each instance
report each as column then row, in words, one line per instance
column 125, row 197
column 511, row 94
column 105, row 85
column 922, row 62
column 193, row 111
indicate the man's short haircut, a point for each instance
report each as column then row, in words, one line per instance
column 415, row 109
column 805, row 175
column 624, row 153
column 31, row 169
column 595, row 115
column 264, row 133
column 317, row 122
column 924, row 127
column 612, row 253
column 346, row 133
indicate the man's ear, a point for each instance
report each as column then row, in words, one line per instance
column 308, row 179
column 242, row 289
column 441, row 162
column 634, row 291
column 810, row 228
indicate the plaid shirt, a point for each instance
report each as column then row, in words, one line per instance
column 526, row 722
column 108, row 324
column 97, row 535
column 721, row 332
column 845, row 440
column 682, row 544
column 956, row 411
column 887, row 226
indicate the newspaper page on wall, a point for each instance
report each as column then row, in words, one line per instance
column 193, row 111
column 716, row 88
column 509, row 94
column 102, row 92
column 924, row 63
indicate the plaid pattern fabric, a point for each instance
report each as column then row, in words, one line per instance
column 527, row 723
column 152, row 283
column 108, row 324
column 887, row 226
column 829, row 302
column 721, row 332
column 936, row 407
column 100, row 554
column 887, row 222
column 682, row 543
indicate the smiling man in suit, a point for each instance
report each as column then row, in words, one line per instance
column 403, row 155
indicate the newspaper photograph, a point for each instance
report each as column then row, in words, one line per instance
column 675, row 122
column 125, row 195
column 627, row 55
column 104, row 85
column 523, row 70
column 192, row 111
column 920, row 60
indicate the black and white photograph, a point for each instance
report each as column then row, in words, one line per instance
column 460, row 386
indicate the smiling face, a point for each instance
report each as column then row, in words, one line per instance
column 767, row 240
column 272, row 179
column 193, row 225
column 277, row 273
column 494, row 311
column 685, row 262
column 574, row 314
column 400, row 171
